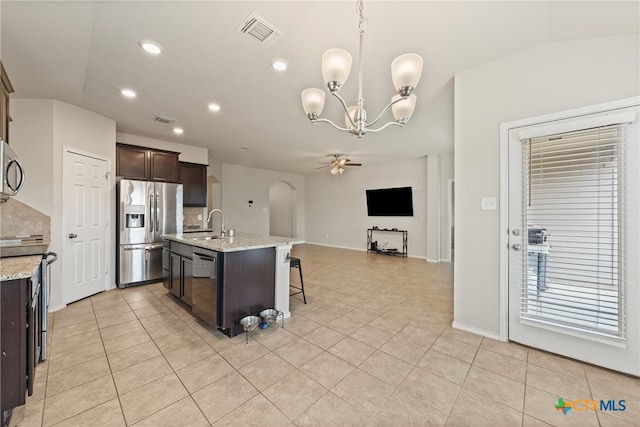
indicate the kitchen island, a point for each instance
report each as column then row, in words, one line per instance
column 223, row 279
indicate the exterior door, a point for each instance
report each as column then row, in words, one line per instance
column 573, row 233
column 86, row 212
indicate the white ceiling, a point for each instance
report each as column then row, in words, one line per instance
column 84, row 52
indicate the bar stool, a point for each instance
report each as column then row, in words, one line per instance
column 295, row 263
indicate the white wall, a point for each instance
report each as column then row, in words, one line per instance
column 281, row 210
column 241, row 184
column 337, row 206
column 39, row 131
column 31, row 136
column 188, row 153
column 433, row 207
column 543, row 80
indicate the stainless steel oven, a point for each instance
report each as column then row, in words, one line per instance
column 11, row 174
column 45, row 292
column 34, row 314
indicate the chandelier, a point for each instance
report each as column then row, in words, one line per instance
column 336, row 65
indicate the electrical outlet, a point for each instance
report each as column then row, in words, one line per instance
column 199, row 217
column 489, row 204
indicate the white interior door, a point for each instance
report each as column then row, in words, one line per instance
column 573, row 230
column 86, row 192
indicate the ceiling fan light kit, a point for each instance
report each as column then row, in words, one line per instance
column 336, row 65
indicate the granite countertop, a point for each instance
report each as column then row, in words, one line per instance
column 21, row 267
column 240, row 242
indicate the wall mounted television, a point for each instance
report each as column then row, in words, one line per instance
column 390, row 202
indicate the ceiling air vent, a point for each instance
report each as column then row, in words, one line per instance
column 164, row 120
column 259, row 30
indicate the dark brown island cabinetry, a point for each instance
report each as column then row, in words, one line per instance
column 193, row 177
column 180, row 265
column 4, row 104
column 147, row 164
column 221, row 287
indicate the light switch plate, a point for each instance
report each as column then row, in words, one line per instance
column 489, row 204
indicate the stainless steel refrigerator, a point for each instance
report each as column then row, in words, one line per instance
column 146, row 211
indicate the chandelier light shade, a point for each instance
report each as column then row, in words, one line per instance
column 313, row 101
column 402, row 108
column 406, row 71
column 336, row 66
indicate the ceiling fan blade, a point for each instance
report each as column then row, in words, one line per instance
column 322, row 167
column 353, row 164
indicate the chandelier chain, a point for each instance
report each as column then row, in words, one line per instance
column 363, row 20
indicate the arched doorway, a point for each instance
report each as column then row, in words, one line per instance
column 282, row 209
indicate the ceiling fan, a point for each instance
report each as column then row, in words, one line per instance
column 338, row 164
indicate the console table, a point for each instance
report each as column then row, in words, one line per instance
column 371, row 231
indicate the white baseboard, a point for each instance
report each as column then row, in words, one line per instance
column 357, row 249
column 432, row 260
column 335, row 246
column 51, row 309
column 476, row 331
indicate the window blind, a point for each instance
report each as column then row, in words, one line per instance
column 573, row 196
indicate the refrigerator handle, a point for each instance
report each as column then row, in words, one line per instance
column 151, row 210
column 157, row 199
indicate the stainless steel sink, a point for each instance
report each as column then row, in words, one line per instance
column 204, row 237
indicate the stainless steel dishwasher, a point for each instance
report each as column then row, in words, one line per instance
column 205, row 285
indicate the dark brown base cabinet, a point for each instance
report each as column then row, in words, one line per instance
column 242, row 283
column 13, row 336
column 180, row 271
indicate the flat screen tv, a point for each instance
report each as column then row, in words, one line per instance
column 390, row 202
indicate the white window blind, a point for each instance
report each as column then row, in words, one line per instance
column 573, row 274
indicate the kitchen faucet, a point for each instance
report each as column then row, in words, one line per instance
column 224, row 230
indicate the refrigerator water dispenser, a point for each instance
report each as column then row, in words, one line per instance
column 134, row 216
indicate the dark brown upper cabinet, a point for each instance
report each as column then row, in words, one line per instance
column 147, row 164
column 193, row 177
column 6, row 89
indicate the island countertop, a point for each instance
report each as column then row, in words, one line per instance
column 240, row 242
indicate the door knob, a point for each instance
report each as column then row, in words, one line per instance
column 516, row 246
column 72, row 235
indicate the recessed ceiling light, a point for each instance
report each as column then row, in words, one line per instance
column 214, row 107
column 279, row 65
column 179, row 131
column 150, row 47
column 128, row 93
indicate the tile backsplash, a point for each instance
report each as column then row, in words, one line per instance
column 190, row 218
column 18, row 219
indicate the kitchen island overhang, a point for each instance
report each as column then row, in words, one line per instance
column 230, row 257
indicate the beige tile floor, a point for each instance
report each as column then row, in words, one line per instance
column 373, row 347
